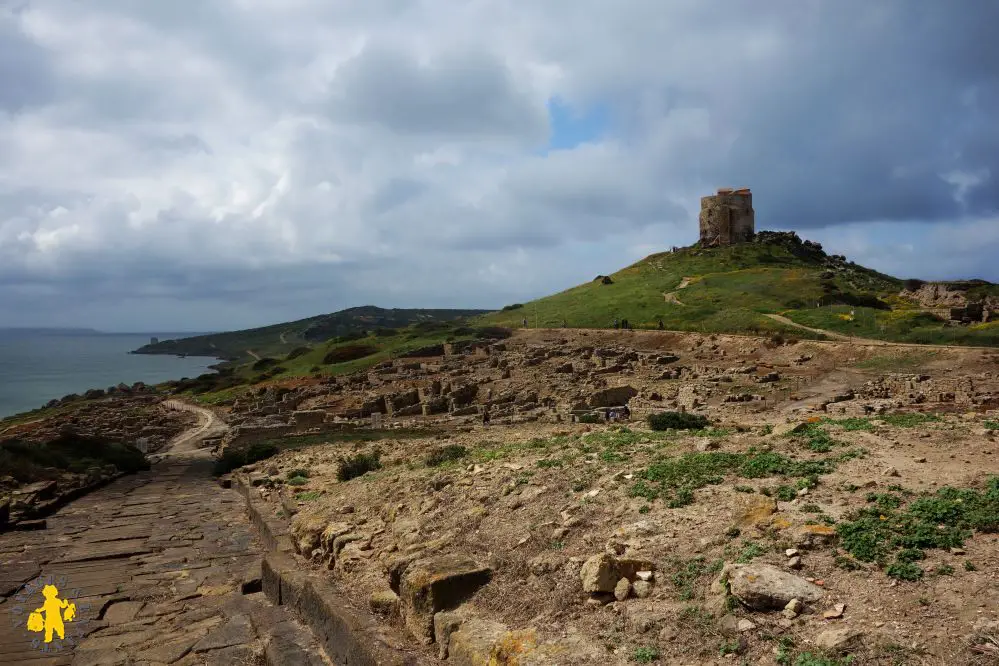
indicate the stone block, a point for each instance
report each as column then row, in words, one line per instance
column 434, row 584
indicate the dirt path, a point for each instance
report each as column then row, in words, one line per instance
column 833, row 336
column 671, row 296
column 253, row 354
column 283, row 339
column 156, row 564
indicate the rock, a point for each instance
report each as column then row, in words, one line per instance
column 920, row 460
column 384, row 602
column 764, row 587
column 4, row 512
column 835, row 612
column 838, row 640
column 753, row 510
column 705, row 444
column 791, row 552
column 612, row 397
column 891, row 471
column 793, row 608
column 599, row 574
column 645, row 575
column 622, row 589
column 434, row 584
column 745, row 625
column 806, row 536
column 642, row 588
column 794, row 563
column 473, row 642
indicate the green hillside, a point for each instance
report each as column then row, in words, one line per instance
column 733, row 289
column 280, row 339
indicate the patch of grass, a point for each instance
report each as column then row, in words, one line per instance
column 590, row 418
column 677, row 421
column 308, row 496
column 687, row 575
column 969, row 566
column 645, row 655
column 940, row 520
column 815, row 438
column 847, row 563
column 304, row 473
column 909, row 419
column 811, row 508
column 786, row 493
column 445, row 454
column 991, row 425
column 750, row 551
column 744, row 489
column 728, row 647
column 358, row 465
column 944, row 570
column 297, row 481
column 904, row 571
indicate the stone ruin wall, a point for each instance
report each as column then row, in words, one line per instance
column 727, row 217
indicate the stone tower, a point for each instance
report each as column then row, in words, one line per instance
column 727, row 218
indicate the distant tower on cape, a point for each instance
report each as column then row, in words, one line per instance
column 727, row 218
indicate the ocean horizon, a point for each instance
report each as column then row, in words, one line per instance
column 38, row 365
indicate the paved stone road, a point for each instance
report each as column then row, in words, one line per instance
column 163, row 568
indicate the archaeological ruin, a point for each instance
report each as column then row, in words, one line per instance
column 727, row 217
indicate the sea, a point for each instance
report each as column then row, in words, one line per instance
column 37, row 366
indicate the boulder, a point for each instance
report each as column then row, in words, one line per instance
column 612, row 397
column 384, row 602
column 433, row 584
column 599, row 574
column 838, row 640
column 764, row 587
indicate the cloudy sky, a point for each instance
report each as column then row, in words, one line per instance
column 218, row 164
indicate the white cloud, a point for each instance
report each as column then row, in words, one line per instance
column 225, row 164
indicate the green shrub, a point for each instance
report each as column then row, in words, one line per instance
column 232, row 458
column 445, row 454
column 358, row 465
column 297, row 481
column 513, row 306
column 348, row 353
column 296, row 352
column 304, row 473
column 677, row 421
column 590, row 418
column 264, row 363
column 645, row 655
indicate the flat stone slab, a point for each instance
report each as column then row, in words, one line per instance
column 123, row 611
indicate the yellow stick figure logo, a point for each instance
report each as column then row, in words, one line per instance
column 51, row 615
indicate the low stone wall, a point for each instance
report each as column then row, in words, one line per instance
column 346, row 636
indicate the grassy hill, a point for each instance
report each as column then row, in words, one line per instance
column 733, row 289
column 280, row 339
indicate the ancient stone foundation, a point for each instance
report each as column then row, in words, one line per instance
column 727, row 218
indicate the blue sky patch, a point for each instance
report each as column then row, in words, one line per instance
column 570, row 127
